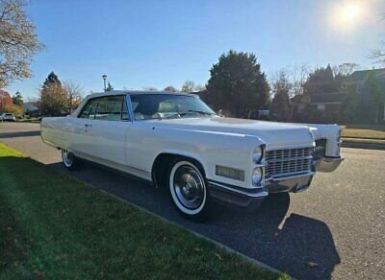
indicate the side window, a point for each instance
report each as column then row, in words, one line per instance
column 110, row 108
column 88, row 111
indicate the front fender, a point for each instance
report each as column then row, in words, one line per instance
column 211, row 149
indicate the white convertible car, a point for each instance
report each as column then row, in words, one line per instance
column 176, row 140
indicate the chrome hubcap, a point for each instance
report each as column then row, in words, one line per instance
column 189, row 187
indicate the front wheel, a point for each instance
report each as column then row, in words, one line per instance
column 69, row 160
column 188, row 190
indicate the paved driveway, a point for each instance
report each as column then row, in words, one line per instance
column 335, row 230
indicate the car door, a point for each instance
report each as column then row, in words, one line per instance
column 106, row 133
column 82, row 142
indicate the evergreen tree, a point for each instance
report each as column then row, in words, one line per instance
column 18, row 99
column 321, row 80
column 280, row 106
column 237, row 85
column 53, row 97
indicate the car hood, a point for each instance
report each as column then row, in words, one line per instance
column 275, row 135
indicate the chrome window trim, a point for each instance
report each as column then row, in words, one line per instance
column 129, row 108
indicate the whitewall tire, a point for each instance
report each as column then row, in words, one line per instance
column 188, row 189
column 69, row 160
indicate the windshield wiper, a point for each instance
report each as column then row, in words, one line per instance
column 197, row 111
column 181, row 114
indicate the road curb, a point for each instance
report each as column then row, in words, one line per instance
column 363, row 145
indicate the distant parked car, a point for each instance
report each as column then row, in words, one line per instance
column 8, row 117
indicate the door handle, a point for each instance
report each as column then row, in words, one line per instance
column 88, row 125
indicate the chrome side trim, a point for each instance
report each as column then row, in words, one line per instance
column 124, row 168
column 49, row 143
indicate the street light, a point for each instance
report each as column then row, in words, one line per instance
column 104, row 76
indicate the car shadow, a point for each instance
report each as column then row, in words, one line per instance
column 301, row 246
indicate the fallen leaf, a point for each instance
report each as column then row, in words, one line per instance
column 219, row 256
column 312, row 264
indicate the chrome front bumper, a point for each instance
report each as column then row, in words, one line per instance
column 293, row 184
column 328, row 164
column 252, row 198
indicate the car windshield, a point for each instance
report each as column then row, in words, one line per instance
column 166, row 106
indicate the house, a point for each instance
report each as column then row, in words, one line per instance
column 357, row 82
column 330, row 106
column 328, row 102
column 31, row 109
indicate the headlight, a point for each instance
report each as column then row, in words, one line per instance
column 257, row 176
column 257, row 154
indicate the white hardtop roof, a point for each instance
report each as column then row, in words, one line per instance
column 132, row 92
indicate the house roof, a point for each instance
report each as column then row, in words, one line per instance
column 296, row 98
column 29, row 106
column 363, row 74
column 335, row 97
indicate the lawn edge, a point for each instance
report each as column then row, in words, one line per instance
column 216, row 243
column 360, row 143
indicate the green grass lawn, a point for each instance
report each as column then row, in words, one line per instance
column 364, row 131
column 54, row 227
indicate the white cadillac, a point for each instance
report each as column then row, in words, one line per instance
column 176, row 140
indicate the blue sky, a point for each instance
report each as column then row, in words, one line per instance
column 158, row 43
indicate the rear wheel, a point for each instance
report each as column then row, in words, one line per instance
column 69, row 160
column 188, row 190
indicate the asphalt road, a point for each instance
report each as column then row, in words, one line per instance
column 336, row 230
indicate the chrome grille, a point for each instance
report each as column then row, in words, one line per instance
column 282, row 163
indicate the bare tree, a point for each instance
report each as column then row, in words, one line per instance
column 188, row 86
column 298, row 76
column 199, row 88
column 18, row 41
column 345, row 69
column 378, row 56
column 74, row 94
